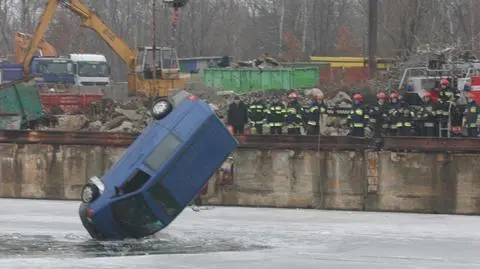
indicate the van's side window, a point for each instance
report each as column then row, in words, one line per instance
column 163, row 152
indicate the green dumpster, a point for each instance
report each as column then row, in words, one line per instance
column 244, row 80
column 20, row 98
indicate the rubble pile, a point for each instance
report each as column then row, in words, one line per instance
column 332, row 125
column 133, row 115
column 108, row 115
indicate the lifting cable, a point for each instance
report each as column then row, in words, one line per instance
column 174, row 24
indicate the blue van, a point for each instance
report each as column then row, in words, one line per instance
column 159, row 174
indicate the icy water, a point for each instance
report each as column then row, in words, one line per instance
column 48, row 234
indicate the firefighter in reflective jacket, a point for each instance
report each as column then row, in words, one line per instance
column 447, row 95
column 405, row 123
column 293, row 117
column 313, row 113
column 470, row 116
column 378, row 115
column 257, row 114
column 393, row 113
column 276, row 116
column 358, row 117
column 426, row 117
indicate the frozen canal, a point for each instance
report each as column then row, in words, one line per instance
column 47, row 234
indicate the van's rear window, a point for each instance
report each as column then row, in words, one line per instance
column 162, row 152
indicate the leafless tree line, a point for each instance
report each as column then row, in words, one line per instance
column 289, row 29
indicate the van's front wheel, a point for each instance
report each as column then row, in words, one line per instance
column 90, row 192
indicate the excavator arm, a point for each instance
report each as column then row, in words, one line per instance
column 37, row 37
column 92, row 21
column 89, row 20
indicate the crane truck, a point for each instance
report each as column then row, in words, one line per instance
column 141, row 76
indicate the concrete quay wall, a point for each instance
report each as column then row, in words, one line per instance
column 350, row 180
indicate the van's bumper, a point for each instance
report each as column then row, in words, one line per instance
column 89, row 226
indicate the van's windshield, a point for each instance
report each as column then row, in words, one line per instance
column 135, row 216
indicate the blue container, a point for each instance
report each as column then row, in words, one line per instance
column 11, row 72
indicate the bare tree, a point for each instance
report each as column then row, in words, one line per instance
column 244, row 29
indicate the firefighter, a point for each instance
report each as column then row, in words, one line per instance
column 358, row 117
column 394, row 107
column 426, row 116
column 405, row 122
column 276, row 116
column 293, row 117
column 378, row 115
column 257, row 114
column 448, row 96
column 447, row 93
column 313, row 113
column 470, row 116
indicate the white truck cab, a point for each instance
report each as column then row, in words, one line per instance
column 91, row 69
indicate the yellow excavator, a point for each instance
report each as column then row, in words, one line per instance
column 141, row 76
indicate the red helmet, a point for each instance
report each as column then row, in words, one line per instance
column 444, row 82
column 292, row 95
column 358, row 97
column 394, row 95
column 381, row 95
column 427, row 94
column 470, row 95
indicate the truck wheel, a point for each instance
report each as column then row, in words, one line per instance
column 161, row 107
column 90, row 192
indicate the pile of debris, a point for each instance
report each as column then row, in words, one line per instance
column 108, row 115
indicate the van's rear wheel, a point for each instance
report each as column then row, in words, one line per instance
column 161, row 107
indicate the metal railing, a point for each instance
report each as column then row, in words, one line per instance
column 258, row 142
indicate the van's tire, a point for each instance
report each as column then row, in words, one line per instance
column 89, row 193
column 161, row 107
